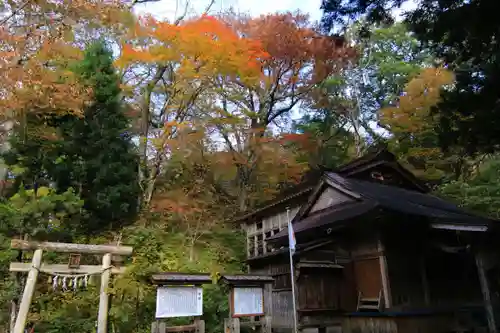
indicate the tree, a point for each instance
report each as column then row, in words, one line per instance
column 480, row 193
column 37, row 41
column 412, row 126
column 299, row 60
column 105, row 160
column 185, row 57
column 346, row 115
column 92, row 154
column 469, row 111
column 327, row 142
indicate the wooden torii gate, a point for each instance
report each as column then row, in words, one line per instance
column 73, row 269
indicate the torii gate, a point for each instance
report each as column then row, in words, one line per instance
column 73, row 270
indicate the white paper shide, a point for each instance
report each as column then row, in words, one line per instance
column 248, row 301
column 179, row 302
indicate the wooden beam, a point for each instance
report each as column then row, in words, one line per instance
column 425, row 281
column 64, row 269
column 485, row 289
column 71, row 248
column 29, row 289
column 384, row 273
column 460, row 227
column 102, row 320
column 251, row 323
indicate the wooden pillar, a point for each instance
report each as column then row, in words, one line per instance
column 385, row 282
column 102, row 320
column 295, row 280
column 199, row 325
column 384, row 272
column 29, row 289
column 266, row 324
column 485, row 289
column 425, row 281
column 13, row 311
column 235, row 325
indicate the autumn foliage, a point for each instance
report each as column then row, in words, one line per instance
column 37, row 45
column 202, row 48
column 299, row 55
column 413, row 112
column 413, row 124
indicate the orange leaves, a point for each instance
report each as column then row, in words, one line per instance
column 293, row 45
column 303, row 141
column 202, row 48
column 42, row 83
column 36, row 48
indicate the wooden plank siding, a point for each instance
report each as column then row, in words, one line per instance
column 319, row 289
column 368, row 277
column 424, row 324
column 281, row 306
column 366, row 265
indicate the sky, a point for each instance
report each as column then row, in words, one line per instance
column 166, row 9
column 171, row 9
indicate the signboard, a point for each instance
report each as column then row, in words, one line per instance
column 248, row 301
column 175, row 301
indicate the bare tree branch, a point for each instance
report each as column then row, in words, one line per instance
column 183, row 16
column 14, row 12
column 207, row 9
column 136, row 2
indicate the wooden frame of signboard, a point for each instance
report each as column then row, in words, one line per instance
column 231, row 303
column 175, row 279
column 261, row 319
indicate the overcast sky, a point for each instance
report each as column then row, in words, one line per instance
column 170, row 9
column 166, row 9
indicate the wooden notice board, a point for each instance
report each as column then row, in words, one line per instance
column 179, row 301
column 247, row 301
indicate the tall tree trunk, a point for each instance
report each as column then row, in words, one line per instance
column 145, row 196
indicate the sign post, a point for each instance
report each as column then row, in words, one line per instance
column 179, row 295
column 249, row 298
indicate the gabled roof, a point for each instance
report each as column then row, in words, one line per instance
column 301, row 190
column 313, row 176
column 334, row 215
column 378, row 157
column 375, row 195
column 406, row 201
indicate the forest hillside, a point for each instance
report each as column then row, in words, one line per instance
column 120, row 128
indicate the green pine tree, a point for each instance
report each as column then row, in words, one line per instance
column 93, row 154
column 105, row 164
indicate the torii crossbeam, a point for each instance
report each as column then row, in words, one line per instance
column 72, row 269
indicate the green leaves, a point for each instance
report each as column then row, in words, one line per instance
column 42, row 212
column 481, row 193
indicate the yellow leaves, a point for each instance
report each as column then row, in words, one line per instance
column 422, row 93
column 412, row 123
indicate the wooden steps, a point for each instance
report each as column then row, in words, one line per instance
column 369, row 304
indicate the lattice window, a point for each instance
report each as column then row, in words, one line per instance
column 258, row 232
